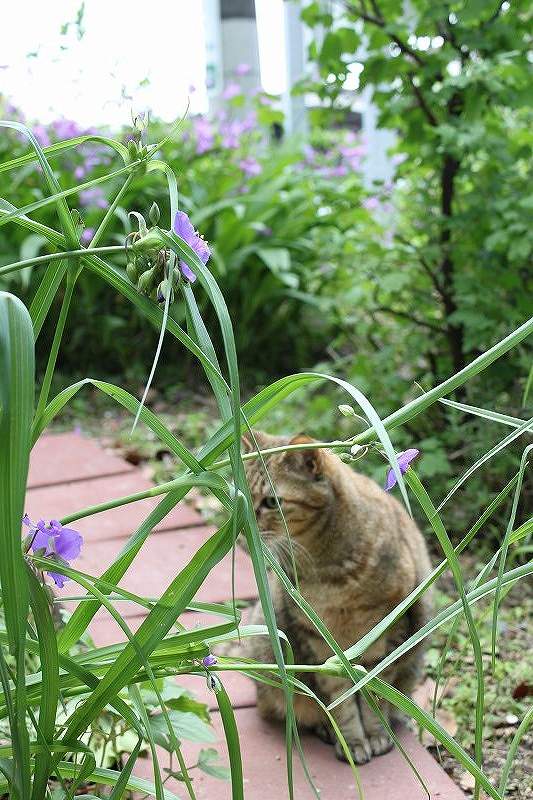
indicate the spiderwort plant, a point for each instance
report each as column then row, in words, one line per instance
column 54, row 541
column 39, row 744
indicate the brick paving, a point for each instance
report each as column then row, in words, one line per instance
column 69, row 471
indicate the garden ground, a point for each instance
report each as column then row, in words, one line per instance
column 507, row 692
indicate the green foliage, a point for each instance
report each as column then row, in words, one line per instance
column 107, row 684
column 452, row 81
column 274, row 221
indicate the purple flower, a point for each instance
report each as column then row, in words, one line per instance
column 232, row 90
column 352, row 152
column 63, row 544
column 209, row 661
column 371, row 203
column 66, row 128
column 242, row 69
column 404, row 461
column 338, row 171
column 205, row 139
column 250, row 166
column 231, row 131
column 184, row 228
column 309, row 153
column 249, row 122
column 41, row 134
column 93, row 196
column 87, row 235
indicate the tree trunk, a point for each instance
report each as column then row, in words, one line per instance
column 454, row 332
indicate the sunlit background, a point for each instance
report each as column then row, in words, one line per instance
column 150, row 55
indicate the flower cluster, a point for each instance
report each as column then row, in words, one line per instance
column 53, row 541
column 148, row 264
column 404, row 462
column 235, row 126
column 337, row 161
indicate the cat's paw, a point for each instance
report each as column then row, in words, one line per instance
column 380, row 743
column 325, row 732
column 360, row 750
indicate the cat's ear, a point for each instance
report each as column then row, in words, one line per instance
column 311, row 459
column 247, row 441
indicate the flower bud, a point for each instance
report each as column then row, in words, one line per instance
column 150, row 243
column 133, row 150
column 357, row 450
column 347, row 411
column 154, row 214
column 132, row 271
column 146, row 281
column 346, row 457
column 176, row 275
column 162, row 290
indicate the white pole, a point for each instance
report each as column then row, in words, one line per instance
column 240, row 49
column 213, row 49
column 294, row 106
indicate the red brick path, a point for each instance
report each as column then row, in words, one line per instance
column 68, row 472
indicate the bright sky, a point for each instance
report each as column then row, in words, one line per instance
column 133, row 55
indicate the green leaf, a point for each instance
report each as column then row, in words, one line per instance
column 186, row 725
column 208, row 763
column 17, row 388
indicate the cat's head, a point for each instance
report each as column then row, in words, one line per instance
column 302, row 479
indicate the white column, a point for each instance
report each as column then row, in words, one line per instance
column 239, row 42
column 213, row 49
column 294, row 106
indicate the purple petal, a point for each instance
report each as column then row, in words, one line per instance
column 187, row 272
column 405, row 458
column 68, row 544
column 209, row 661
column 183, row 227
column 27, row 521
column 41, row 541
column 58, row 579
column 201, row 248
column 391, row 480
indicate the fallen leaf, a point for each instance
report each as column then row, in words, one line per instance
column 467, row 781
column 523, row 690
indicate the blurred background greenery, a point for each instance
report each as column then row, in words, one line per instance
column 393, row 284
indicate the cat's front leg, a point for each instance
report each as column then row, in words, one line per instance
column 348, row 717
column 377, row 736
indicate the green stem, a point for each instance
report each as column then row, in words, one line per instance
column 28, row 262
column 522, row 728
column 72, row 276
column 109, row 213
column 165, row 488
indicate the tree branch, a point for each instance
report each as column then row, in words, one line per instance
column 427, row 269
column 432, row 119
column 380, row 22
column 405, row 315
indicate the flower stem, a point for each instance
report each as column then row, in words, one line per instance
column 28, row 262
column 72, row 276
column 164, row 488
column 109, row 213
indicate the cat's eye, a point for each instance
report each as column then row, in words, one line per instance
column 271, row 502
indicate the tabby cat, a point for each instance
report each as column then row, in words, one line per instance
column 358, row 554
